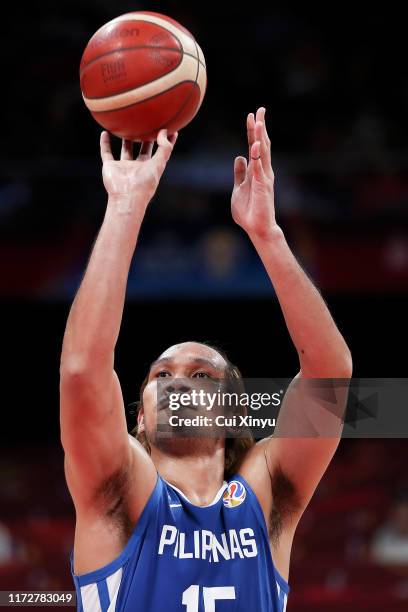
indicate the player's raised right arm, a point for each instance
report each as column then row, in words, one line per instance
column 93, row 424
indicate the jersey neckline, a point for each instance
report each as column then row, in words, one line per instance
column 214, row 501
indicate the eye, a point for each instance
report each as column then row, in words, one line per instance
column 162, row 374
column 201, row 375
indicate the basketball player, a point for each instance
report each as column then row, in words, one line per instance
column 194, row 524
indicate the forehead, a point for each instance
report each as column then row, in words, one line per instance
column 187, row 351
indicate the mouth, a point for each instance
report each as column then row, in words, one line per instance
column 164, row 403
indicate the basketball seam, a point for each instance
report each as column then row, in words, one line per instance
column 121, row 49
column 181, row 51
column 176, row 114
column 182, row 54
column 143, row 85
column 122, row 91
column 169, row 32
column 198, row 62
column 182, row 107
column 180, row 110
column 115, row 110
column 198, row 72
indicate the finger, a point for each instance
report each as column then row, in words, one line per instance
column 259, row 136
column 266, row 135
column 265, row 148
column 145, row 151
column 240, row 170
column 260, row 114
column 256, row 161
column 106, row 152
column 164, row 148
column 127, row 149
column 173, row 138
column 265, row 141
column 250, row 132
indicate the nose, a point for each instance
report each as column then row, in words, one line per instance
column 177, row 386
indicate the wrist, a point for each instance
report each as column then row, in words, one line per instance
column 270, row 235
column 128, row 204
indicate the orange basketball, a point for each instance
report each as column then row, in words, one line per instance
column 142, row 72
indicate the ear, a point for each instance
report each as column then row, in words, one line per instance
column 140, row 420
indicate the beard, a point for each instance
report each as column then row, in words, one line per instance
column 184, row 440
column 181, row 444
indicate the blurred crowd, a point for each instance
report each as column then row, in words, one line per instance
column 390, row 543
column 336, row 113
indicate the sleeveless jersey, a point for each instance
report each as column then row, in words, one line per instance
column 187, row 558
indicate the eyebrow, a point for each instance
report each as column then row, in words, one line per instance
column 196, row 361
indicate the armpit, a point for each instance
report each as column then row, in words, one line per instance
column 111, row 497
column 285, row 503
column 112, row 489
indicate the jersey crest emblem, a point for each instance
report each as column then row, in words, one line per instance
column 234, row 494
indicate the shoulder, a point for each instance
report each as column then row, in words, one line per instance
column 122, row 495
column 109, row 536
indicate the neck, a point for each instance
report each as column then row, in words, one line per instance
column 198, row 473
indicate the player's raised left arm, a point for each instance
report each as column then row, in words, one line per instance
column 293, row 452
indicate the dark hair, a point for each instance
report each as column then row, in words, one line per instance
column 235, row 447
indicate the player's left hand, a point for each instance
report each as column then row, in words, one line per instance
column 252, row 202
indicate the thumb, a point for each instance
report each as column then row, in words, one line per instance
column 256, row 161
column 240, row 170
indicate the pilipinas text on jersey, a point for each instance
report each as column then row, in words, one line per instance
column 187, row 558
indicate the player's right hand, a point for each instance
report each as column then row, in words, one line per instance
column 129, row 177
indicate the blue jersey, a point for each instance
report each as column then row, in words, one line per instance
column 186, row 558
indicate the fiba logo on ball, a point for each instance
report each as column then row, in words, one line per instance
column 234, row 495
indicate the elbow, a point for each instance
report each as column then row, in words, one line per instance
column 344, row 366
column 74, row 367
column 339, row 365
column 348, row 365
